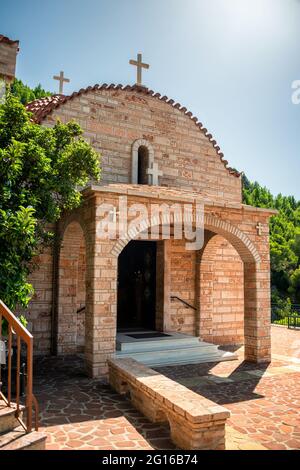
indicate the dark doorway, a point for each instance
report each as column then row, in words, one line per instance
column 137, row 286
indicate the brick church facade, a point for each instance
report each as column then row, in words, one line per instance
column 220, row 292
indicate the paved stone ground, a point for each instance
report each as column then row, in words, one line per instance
column 80, row 413
column 286, row 342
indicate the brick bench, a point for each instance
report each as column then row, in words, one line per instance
column 195, row 422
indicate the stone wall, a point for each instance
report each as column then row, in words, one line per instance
column 39, row 310
column 80, row 298
column 8, row 57
column 227, row 294
column 114, row 119
column 226, row 298
column 71, row 292
column 188, row 275
column 183, row 271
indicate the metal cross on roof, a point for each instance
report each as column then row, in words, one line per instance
column 140, row 65
column 61, row 80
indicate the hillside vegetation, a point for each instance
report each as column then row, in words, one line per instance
column 284, row 242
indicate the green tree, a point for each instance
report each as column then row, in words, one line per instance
column 26, row 94
column 294, row 288
column 284, row 238
column 40, row 171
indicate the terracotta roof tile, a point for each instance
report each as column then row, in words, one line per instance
column 41, row 108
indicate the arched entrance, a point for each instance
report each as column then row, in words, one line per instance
column 71, row 299
column 256, row 290
column 221, row 302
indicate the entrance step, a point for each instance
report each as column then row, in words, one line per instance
column 8, row 420
column 176, row 349
column 19, row 440
column 12, row 434
column 127, row 344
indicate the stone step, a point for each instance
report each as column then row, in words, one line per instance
column 227, row 356
column 8, row 420
column 194, row 355
column 19, row 440
column 160, row 344
column 178, row 351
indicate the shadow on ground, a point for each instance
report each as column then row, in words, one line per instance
column 237, row 385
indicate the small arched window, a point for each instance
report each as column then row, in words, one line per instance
column 142, row 159
column 143, row 165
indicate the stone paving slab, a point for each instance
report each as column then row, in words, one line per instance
column 264, row 400
column 286, row 342
column 236, row 440
column 80, row 413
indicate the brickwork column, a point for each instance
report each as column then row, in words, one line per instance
column 163, row 281
column 204, row 289
column 205, row 300
column 257, row 312
column 101, row 312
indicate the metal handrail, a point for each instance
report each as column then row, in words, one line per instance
column 81, row 309
column 16, row 328
column 183, row 301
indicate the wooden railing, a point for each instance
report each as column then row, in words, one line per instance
column 17, row 336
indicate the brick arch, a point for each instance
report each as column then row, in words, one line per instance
column 236, row 237
column 134, row 157
column 243, row 245
column 72, row 217
column 133, row 234
column 256, row 303
column 220, row 293
column 256, row 300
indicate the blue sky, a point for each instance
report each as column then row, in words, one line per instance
column 231, row 62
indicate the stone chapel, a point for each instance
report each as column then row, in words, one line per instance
column 91, row 293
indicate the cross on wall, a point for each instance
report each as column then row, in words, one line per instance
column 154, row 172
column 259, row 228
column 61, row 80
column 113, row 215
